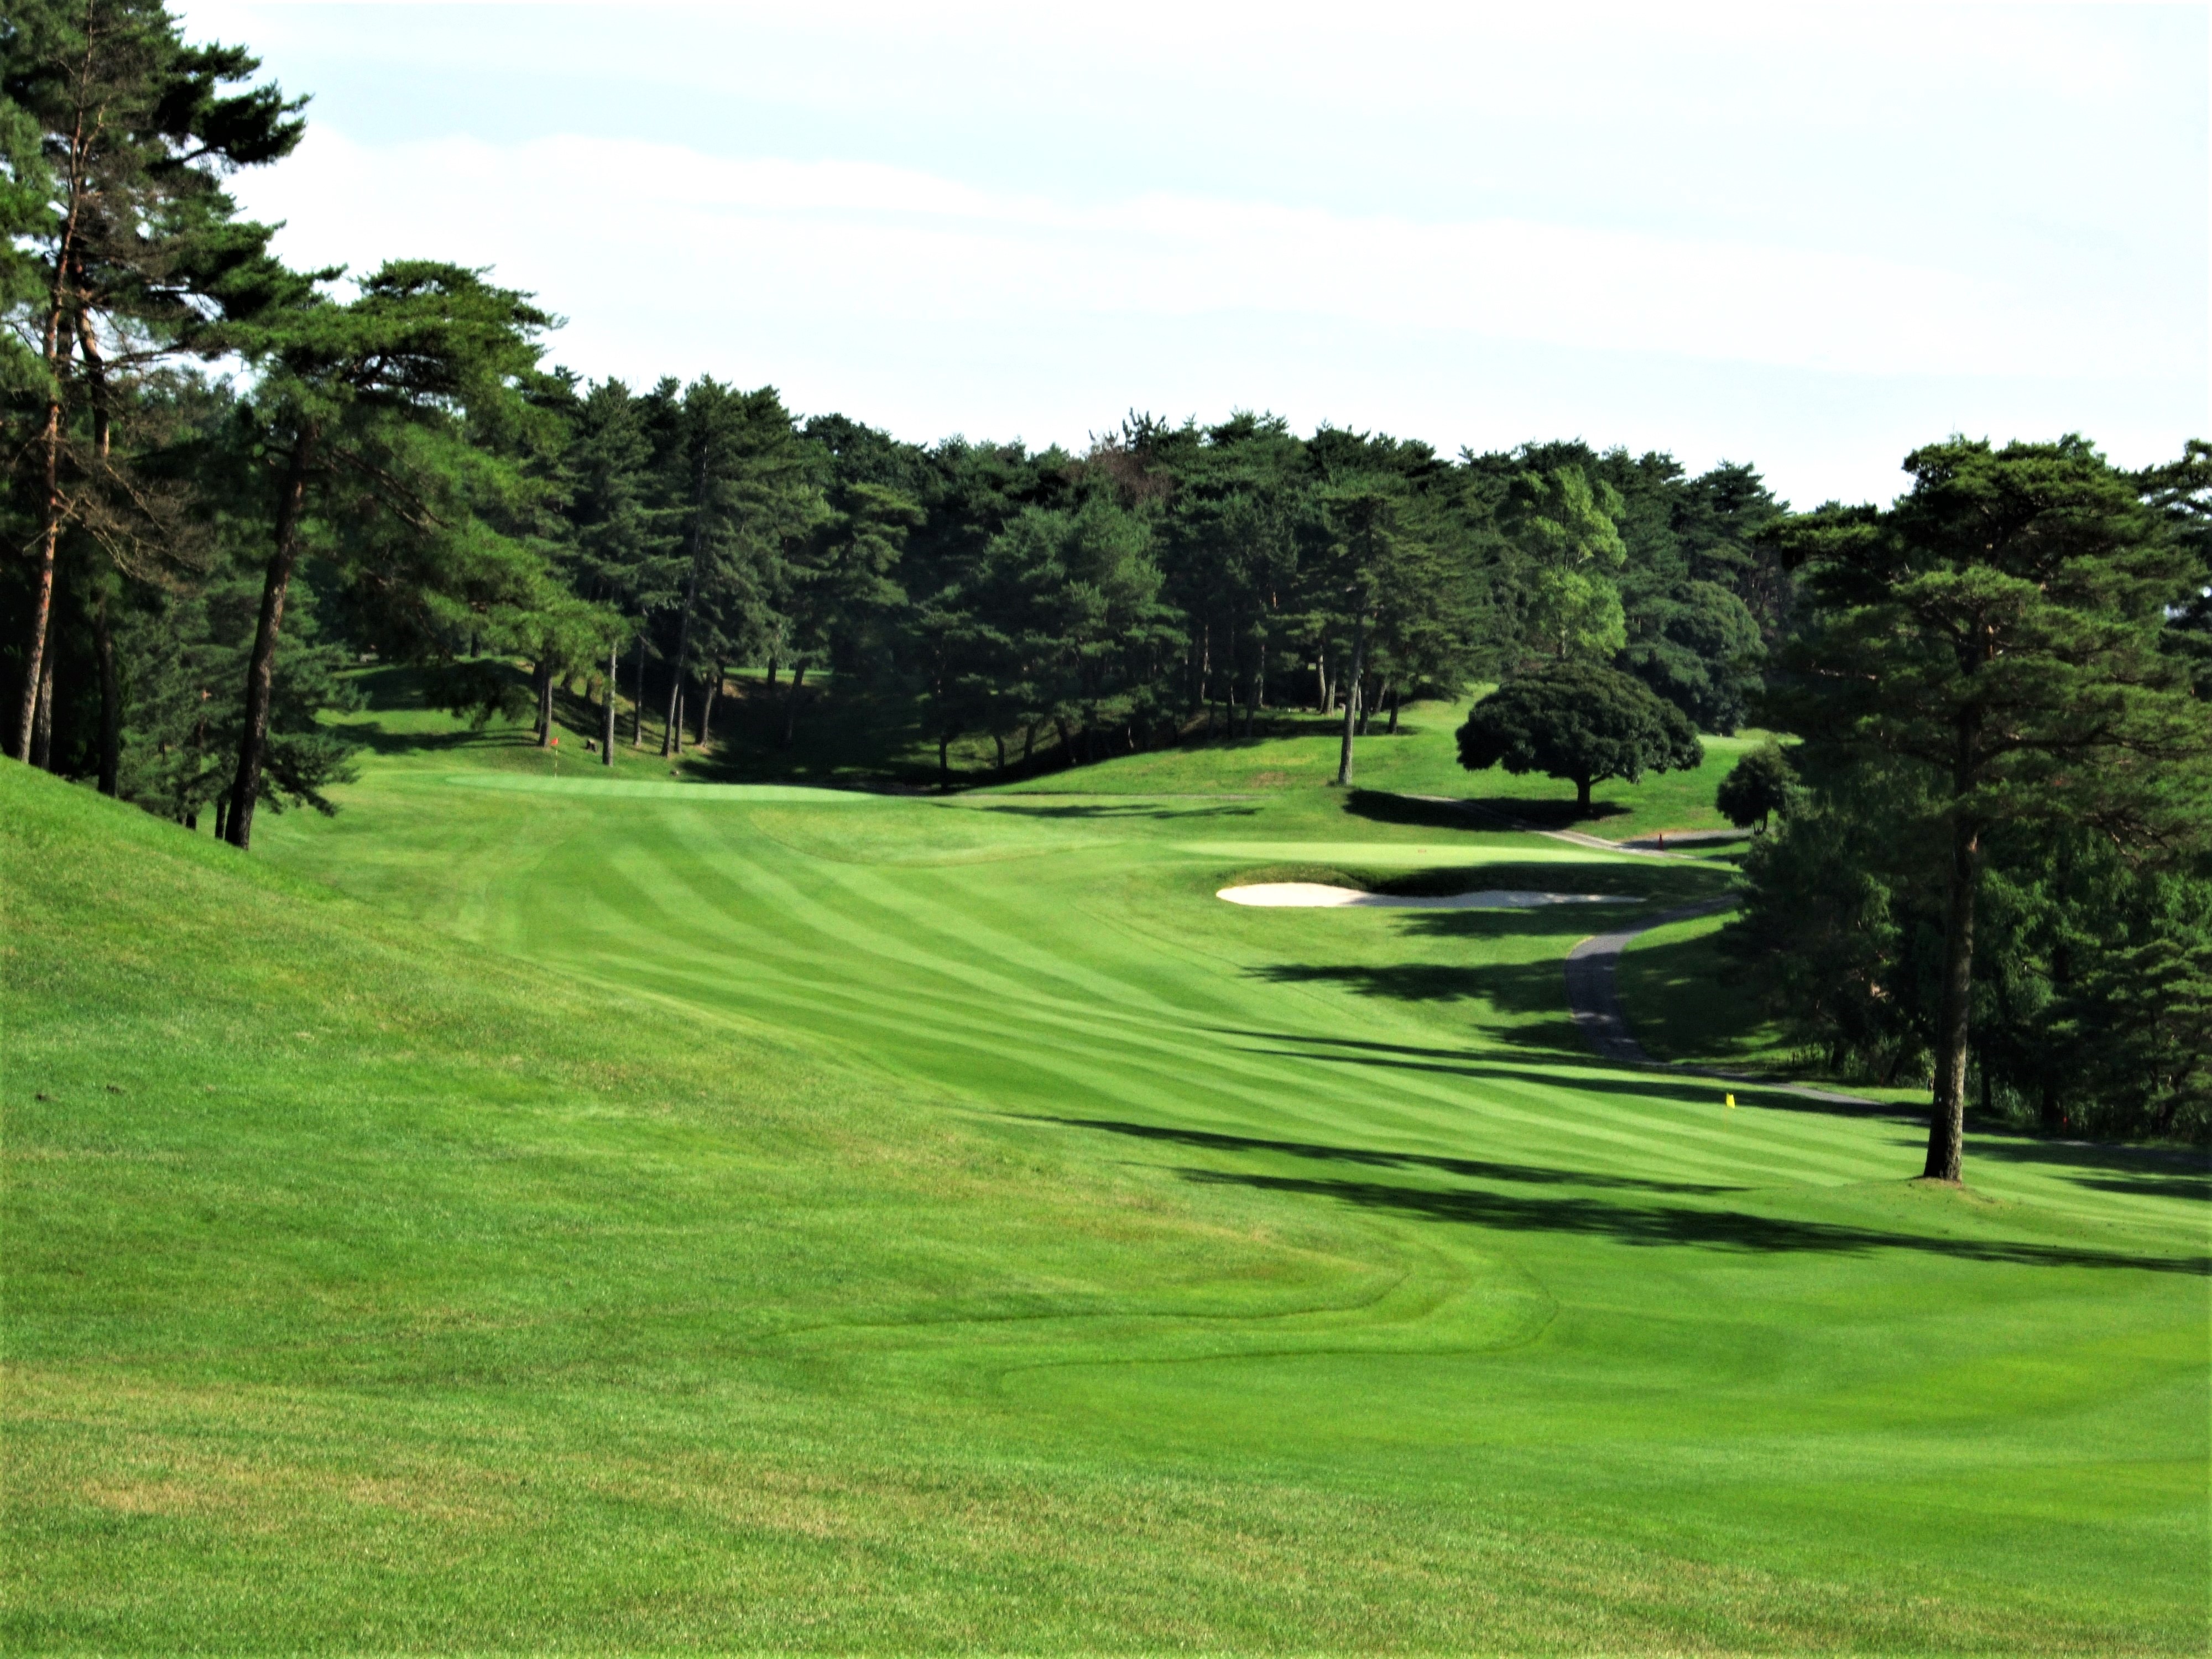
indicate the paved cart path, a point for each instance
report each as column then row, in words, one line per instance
column 1594, row 999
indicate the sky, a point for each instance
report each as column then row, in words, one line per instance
column 1804, row 237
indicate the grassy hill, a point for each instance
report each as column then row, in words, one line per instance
column 851, row 734
column 527, row 1211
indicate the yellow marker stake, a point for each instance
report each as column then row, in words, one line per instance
column 1731, row 1101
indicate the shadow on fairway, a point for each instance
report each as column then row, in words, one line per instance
column 1647, row 1085
column 1137, row 808
column 1511, row 988
column 1710, row 1229
column 1628, row 1223
column 1383, row 806
column 371, row 736
column 1658, row 882
column 1476, row 1169
column 2182, row 1172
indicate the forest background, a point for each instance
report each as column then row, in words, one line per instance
column 231, row 483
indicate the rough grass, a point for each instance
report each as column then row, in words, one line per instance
column 514, row 1219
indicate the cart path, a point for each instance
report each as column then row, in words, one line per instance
column 1594, row 1000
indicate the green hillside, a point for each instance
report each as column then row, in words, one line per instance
column 535, row 1212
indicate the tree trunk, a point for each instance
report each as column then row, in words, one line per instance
column 771, row 666
column 943, row 761
column 1581, row 797
column 707, row 706
column 42, row 717
column 1028, row 743
column 261, row 668
column 999, row 738
column 111, row 702
column 37, row 669
column 1946, row 1123
column 790, row 702
column 1394, row 711
column 637, row 704
column 607, row 714
column 542, row 673
column 1350, row 682
column 221, row 817
column 56, row 348
column 672, row 736
column 42, row 586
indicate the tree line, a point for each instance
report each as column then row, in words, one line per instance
column 226, row 476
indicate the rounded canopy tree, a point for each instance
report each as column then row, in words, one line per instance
column 1759, row 785
column 1581, row 722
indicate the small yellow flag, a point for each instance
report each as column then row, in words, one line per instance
column 1731, row 1101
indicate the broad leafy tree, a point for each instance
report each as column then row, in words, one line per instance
column 1757, row 787
column 1580, row 722
column 1564, row 527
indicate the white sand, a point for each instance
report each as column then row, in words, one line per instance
column 1314, row 894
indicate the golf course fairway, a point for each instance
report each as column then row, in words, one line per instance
column 523, row 1213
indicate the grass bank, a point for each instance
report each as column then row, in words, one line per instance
column 544, row 1215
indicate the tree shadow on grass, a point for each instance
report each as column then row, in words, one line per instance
column 1533, row 988
column 2178, row 1172
column 1138, row 807
column 1474, row 1169
column 1486, row 814
column 1598, row 1076
column 371, row 736
column 1679, row 1225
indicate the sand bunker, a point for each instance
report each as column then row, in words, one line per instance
column 1306, row 895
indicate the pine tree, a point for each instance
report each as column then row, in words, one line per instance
column 122, row 240
column 2002, row 626
column 379, row 426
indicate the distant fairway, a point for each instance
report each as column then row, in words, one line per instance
column 586, row 785
column 676, row 1217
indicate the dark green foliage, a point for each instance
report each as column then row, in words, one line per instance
column 1698, row 645
column 1989, row 665
column 400, row 438
column 119, row 246
column 1629, row 560
column 1757, row 787
column 2090, row 1005
column 1578, row 722
column 2181, row 493
column 186, row 657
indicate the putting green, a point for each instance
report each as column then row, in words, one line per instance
column 645, row 1224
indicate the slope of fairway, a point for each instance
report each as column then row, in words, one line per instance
column 686, row 1221
column 1420, row 759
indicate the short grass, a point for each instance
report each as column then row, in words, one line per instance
column 1688, row 1005
column 849, row 733
column 525, row 1213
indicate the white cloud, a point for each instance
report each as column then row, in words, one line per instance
column 1808, row 236
column 597, row 227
